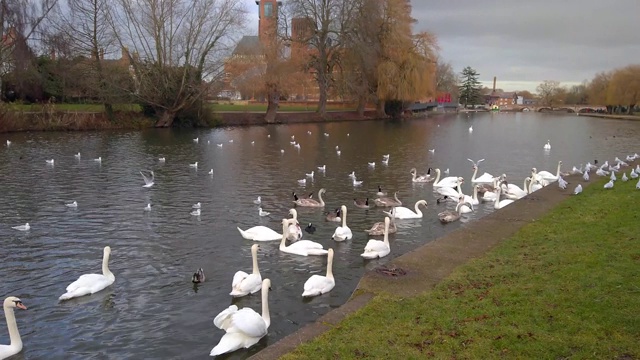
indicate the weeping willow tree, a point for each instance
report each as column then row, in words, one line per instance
column 406, row 70
column 624, row 88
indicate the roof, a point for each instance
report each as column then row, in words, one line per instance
column 248, row 45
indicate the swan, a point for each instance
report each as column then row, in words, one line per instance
column 197, row 205
column 302, row 247
column 8, row 143
column 312, row 202
column 148, row 181
column 24, row 227
column 376, row 248
column 91, row 283
column 536, row 178
column 498, row 204
column 454, row 191
column 15, row 346
column 378, row 228
column 244, row 327
column 333, row 216
column 451, row 216
column 362, row 204
column 387, row 201
column 262, row 212
column 294, row 233
column 245, row 284
column 342, row 232
column 473, row 200
column 419, row 178
column 449, row 181
column 74, row 204
column 577, row 190
column 318, row 284
column 484, row 178
column 514, row 192
column 547, row 146
column 198, row 277
column 549, row 176
column 259, row 233
column 401, row 212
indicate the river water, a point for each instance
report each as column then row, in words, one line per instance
column 153, row 311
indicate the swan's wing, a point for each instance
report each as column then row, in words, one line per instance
column 146, row 179
column 250, row 284
column 375, row 246
column 314, row 285
column 248, row 322
column 86, row 280
column 223, row 320
column 318, row 252
column 306, row 244
column 238, row 277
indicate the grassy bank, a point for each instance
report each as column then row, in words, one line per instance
column 564, row 287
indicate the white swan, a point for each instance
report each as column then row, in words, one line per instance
column 498, row 204
column 318, row 284
column 401, row 212
column 376, row 248
column 312, row 202
column 342, row 232
column 454, row 191
column 449, row 181
column 419, row 178
column 244, row 327
column 15, row 345
column 294, row 231
column 545, row 175
column 243, row 283
column 514, row 192
column 259, row 233
column 473, row 200
column 547, row 146
column 148, row 181
column 301, row 247
column 91, row 283
column 484, row 178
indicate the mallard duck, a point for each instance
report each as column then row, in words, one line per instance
column 363, row 204
column 198, row 276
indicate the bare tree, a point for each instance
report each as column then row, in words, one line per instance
column 549, row 92
column 446, row 79
column 20, row 21
column 331, row 20
column 176, row 48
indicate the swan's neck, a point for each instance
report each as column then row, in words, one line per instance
column 265, row 306
column 386, row 233
column 14, row 335
column 285, row 230
column 558, row 172
column 294, row 214
column 395, row 196
column 330, row 266
column 475, row 172
column 105, row 267
column 475, row 193
column 437, row 180
column 418, row 208
column 254, row 256
column 320, row 198
column 344, row 217
column 525, row 185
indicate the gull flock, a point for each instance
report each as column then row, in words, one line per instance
column 245, row 327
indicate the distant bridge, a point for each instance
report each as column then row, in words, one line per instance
column 566, row 108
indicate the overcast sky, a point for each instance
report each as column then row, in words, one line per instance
column 523, row 43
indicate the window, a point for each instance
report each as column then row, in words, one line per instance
column 268, row 9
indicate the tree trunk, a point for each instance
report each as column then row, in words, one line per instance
column 322, row 102
column 273, row 97
column 380, row 113
column 166, row 119
column 108, row 108
column 362, row 102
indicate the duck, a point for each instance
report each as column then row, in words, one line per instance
column 376, row 248
column 401, row 212
column 318, row 284
column 362, row 204
column 449, row 216
column 88, row 284
column 9, row 304
column 244, row 327
column 245, row 284
column 378, row 228
column 198, row 276
column 387, row 201
column 333, row 216
column 312, row 202
column 301, row 247
column 342, row 232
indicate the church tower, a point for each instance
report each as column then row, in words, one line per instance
column 268, row 15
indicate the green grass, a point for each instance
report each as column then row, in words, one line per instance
column 564, row 287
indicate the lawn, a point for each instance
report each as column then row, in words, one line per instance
column 564, row 287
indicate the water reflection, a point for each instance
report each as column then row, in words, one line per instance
column 153, row 310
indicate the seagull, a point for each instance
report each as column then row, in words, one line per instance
column 148, row 182
column 322, row 168
column 338, row 152
column 609, row 185
column 196, row 205
column 613, row 176
column 293, row 137
column 310, row 174
column 309, row 132
column 352, row 175
column 372, row 164
column 162, row 159
column 231, row 140
column 586, row 175
column 624, row 177
column 98, row 159
column 297, row 146
column 578, row 189
column 476, row 163
column 547, row 146
column 219, row 145
column 432, row 150
column 633, row 174
column 269, row 136
column 263, row 213
column 302, row 181
column 562, row 183
column 194, row 165
column 196, row 140
column 148, row 207
column 8, row 143
column 281, row 151
column 356, row 182
column 326, row 134
column 211, row 172
column 385, row 156
column 24, row 227
column 471, row 128
column 638, row 184
column 337, row 147
column 253, row 143
column 258, row 201
column 196, row 212
column 74, row 204
column 446, row 172
column 50, row 162
column 77, row 156
column 385, row 161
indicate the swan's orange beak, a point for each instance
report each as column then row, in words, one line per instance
column 21, row 306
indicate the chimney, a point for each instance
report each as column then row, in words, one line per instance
column 494, row 84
